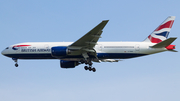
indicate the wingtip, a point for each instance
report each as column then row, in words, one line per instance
column 105, row 20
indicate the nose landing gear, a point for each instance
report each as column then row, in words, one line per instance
column 16, row 65
column 15, row 60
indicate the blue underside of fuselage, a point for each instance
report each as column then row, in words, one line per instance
column 99, row 55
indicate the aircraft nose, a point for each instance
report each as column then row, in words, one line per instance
column 3, row 52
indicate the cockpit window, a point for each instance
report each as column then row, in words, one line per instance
column 7, row 48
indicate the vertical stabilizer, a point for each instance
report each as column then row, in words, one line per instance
column 162, row 31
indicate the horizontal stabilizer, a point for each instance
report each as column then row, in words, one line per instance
column 173, row 50
column 164, row 43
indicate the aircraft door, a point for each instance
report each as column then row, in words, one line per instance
column 137, row 48
column 47, row 48
column 100, row 47
column 18, row 50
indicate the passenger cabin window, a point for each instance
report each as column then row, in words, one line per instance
column 118, row 46
column 23, row 47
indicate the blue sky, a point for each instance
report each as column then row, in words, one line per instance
column 155, row 77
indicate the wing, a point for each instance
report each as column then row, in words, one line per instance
column 89, row 40
column 85, row 45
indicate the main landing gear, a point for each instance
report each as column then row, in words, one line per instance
column 15, row 60
column 90, row 68
column 89, row 62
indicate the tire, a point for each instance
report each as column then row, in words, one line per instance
column 90, row 68
column 86, row 67
column 16, row 65
column 94, row 69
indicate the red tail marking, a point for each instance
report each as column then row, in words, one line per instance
column 166, row 25
column 154, row 40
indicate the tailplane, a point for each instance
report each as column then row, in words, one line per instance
column 166, row 44
column 162, row 31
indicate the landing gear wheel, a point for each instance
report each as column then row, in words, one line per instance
column 86, row 67
column 94, row 69
column 90, row 68
column 16, row 65
column 90, row 63
column 15, row 60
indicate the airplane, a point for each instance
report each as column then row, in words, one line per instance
column 87, row 49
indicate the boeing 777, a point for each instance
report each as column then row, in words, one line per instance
column 87, row 49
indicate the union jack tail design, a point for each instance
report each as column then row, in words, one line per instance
column 161, row 33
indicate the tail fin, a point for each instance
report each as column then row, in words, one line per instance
column 161, row 33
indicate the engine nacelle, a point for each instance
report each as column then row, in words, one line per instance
column 68, row 64
column 59, row 51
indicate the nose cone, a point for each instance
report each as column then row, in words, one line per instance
column 3, row 52
column 6, row 52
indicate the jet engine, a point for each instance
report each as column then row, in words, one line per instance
column 68, row 64
column 59, row 51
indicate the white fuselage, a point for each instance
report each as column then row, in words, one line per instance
column 104, row 50
column 87, row 48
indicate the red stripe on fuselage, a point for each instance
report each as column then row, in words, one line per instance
column 166, row 25
column 21, row 45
